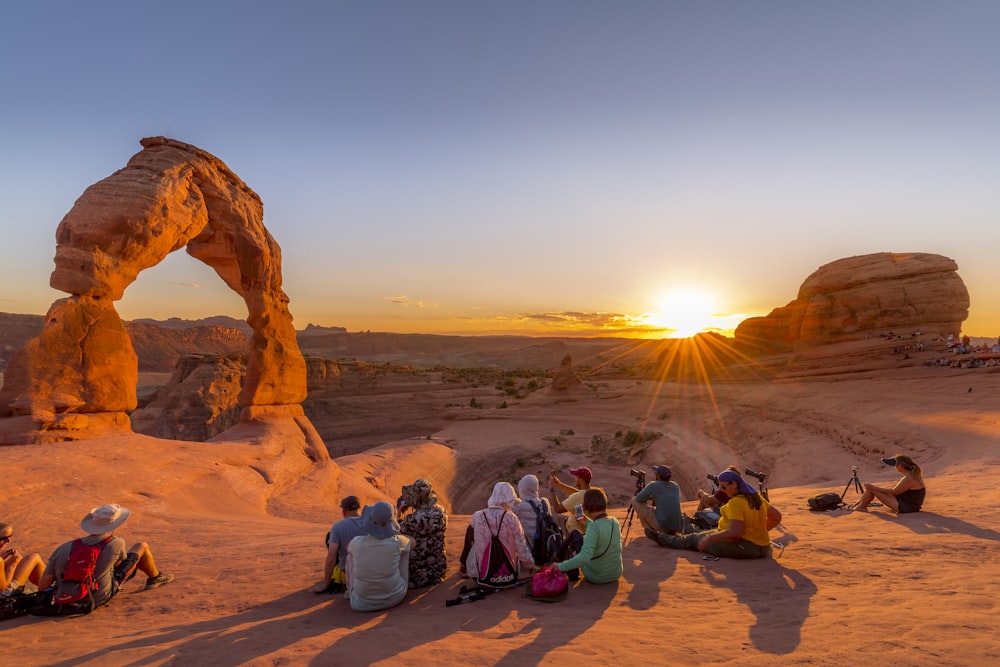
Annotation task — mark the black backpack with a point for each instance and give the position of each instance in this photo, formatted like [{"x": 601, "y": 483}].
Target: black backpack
[
  {"x": 547, "y": 540},
  {"x": 16, "y": 605},
  {"x": 703, "y": 520},
  {"x": 825, "y": 502},
  {"x": 496, "y": 569}
]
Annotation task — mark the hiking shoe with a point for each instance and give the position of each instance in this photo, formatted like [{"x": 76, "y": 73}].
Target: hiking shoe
[{"x": 159, "y": 580}]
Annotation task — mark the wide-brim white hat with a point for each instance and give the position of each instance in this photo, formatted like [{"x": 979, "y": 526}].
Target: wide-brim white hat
[{"x": 105, "y": 519}]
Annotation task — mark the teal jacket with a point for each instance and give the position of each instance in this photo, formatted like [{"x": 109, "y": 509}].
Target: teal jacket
[{"x": 600, "y": 557}]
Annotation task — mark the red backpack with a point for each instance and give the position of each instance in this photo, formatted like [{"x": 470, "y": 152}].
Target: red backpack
[{"x": 75, "y": 592}]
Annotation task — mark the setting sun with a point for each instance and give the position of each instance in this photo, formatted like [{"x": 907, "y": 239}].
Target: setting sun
[{"x": 686, "y": 312}]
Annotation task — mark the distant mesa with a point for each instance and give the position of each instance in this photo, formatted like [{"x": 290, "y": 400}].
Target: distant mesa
[
  {"x": 864, "y": 296},
  {"x": 316, "y": 330},
  {"x": 77, "y": 378},
  {"x": 216, "y": 321}
]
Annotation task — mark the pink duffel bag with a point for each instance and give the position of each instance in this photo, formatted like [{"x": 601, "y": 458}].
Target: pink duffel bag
[{"x": 549, "y": 582}]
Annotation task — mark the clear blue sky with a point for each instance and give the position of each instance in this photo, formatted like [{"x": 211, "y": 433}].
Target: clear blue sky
[{"x": 503, "y": 166}]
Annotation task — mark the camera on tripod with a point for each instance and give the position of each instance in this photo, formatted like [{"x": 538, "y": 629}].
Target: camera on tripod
[
  {"x": 759, "y": 475},
  {"x": 640, "y": 482},
  {"x": 714, "y": 478}
]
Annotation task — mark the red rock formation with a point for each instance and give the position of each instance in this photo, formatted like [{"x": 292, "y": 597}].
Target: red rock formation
[
  {"x": 198, "y": 403},
  {"x": 171, "y": 195},
  {"x": 322, "y": 373},
  {"x": 857, "y": 297},
  {"x": 565, "y": 378}
]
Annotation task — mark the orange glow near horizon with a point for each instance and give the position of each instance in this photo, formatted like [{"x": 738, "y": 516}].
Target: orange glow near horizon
[{"x": 684, "y": 312}]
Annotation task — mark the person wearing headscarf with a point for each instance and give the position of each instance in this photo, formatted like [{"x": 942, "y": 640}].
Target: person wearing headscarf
[
  {"x": 378, "y": 569},
  {"x": 530, "y": 507},
  {"x": 743, "y": 528},
  {"x": 906, "y": 496},
  {"x": 497, "y": 519},
  {"x": 426, "y": 524}
]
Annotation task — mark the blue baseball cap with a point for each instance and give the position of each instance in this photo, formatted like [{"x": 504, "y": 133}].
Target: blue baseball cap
[{"x": 662, "y": 471}]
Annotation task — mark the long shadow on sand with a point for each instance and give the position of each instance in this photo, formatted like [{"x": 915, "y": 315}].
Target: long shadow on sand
[
  {"x": 651, "y": 558},
  {"x": 230, "y": 640},
  {"x": 497, "y": 619},
  {"x": 777, "y": 596},
  {"x": 927, "y": 523}
]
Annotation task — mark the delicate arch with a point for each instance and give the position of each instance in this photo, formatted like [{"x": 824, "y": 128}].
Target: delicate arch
[{"x": 170, "y": 195}]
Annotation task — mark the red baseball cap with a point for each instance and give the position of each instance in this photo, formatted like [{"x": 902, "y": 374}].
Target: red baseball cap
[{"x": 582, "y": 473}]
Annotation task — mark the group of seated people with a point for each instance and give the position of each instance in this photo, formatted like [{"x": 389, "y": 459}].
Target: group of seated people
[
  {"x": 373, "y": 558},
  {"x": 385, "y": 558}
]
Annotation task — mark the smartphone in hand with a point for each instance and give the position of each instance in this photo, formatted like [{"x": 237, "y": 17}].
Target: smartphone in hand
[{"x": 578, "y": 509}]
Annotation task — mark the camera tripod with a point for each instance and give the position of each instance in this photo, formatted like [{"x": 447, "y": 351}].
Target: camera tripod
[
  {"x": 640, "y": 483},
  {"x": 762, "y": 479},
  {"x": 855, "y": 480}
]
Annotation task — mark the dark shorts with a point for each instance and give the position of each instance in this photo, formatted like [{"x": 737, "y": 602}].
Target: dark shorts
[
  {"x": 905, "y": 507},
  {"x": 126, "y": 569}
]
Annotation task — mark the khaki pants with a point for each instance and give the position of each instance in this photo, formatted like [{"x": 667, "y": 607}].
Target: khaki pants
[{"x": 647, "y": 517}]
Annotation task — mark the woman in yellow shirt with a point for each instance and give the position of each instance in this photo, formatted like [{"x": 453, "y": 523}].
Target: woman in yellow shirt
[{"x": 742, "y": 532}]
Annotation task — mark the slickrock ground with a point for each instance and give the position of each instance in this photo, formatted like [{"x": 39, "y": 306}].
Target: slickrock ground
[{"x": 849, "y": 588}]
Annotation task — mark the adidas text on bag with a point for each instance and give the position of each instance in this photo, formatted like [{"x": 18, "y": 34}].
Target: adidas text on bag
[{"x": 495, "y": 568}]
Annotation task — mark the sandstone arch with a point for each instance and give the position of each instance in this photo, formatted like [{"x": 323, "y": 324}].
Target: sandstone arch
[{"x": 77, "y": 378}]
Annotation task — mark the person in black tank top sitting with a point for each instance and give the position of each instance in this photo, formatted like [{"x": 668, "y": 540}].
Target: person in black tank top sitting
[{"x": 905, "y": 497}]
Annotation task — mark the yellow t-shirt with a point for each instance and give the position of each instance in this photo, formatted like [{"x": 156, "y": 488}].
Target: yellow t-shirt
[
  {"x": 754, "y": 521},
  {"x": 572, "y": 500}
]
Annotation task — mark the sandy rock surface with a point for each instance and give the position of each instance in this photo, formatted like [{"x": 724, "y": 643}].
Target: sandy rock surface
[{"x": 241, "y": 525}]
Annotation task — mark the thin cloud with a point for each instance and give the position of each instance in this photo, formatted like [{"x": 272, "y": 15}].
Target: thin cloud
[
  {"x": 403, "y": 300},
  {"x": 191, "y": 285},
  {"x": 577, "y": 319}
]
